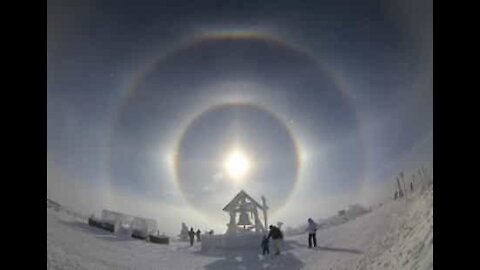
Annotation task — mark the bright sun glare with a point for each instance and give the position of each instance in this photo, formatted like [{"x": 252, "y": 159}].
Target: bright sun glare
[{"x": 237, "y": 165}]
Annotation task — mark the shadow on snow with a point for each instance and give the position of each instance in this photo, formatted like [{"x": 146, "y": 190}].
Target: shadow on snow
[{"x": 247, "y": 259}]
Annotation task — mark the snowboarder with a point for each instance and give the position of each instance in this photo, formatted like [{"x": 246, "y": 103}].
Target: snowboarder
[
  {"x": 264, "y": 245},
  {"x": 191, "y": 234},
  {"x": 198, "y": 235},
  {"x": 312, "y": 230},
  {"x": 276, "y": 236}
]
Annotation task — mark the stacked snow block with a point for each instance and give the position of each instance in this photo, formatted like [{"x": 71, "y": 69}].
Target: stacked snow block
[
  {"x": 102, "y": 225},
  {"x": 108, "y": 226},
  {"x": 139, "y": 235},
  {"x": 94, "y": 223},
  {"x": 159, "y": 239}
]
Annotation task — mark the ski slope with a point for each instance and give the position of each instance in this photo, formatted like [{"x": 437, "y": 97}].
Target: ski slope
[{"x": 397, "y": 235}]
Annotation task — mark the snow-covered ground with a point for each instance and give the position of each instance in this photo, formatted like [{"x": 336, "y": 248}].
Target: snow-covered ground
[{"x": 397, "y": 235}]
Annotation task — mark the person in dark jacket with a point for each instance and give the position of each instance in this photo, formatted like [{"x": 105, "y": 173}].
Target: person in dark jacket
[
  {"x": 312, "y": 230},
  {"x": 198, "y": 235},
  {"x": 277, "y": 237},
  {"x": 191, "y": 235},
  {"x": 265, "y": 248}
]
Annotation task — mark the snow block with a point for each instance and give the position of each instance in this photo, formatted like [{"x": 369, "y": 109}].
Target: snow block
[
  {"x": 108, "y": 227},
  {"x": 159, "y": 239},
  {"x": 139, "y": 235},
  {"x": 120, "y": 222},
  {"x": 101, "y": 225},
  {"x": 95, "y": 223}
]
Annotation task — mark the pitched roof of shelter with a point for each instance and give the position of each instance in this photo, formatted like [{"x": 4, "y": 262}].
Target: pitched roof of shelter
[{"x": 242, "y": 194}]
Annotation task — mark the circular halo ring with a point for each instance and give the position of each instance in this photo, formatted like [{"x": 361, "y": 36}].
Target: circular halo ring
[{"x": 131, "y": 85}]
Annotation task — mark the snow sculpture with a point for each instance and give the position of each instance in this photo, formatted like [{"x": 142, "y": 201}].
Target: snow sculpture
[
  {"x": 127, "y": 224},
  {"x": 183, "y": 232},
  {"x": 245, "y": 229},
  {"x": 246, "y": 207}
]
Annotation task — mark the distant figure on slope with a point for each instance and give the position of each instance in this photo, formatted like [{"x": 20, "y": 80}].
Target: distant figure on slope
[
  {"x": 264, "y": 245},
  {"x": 396, "y": 195},
  {"x": 312, "y": 233},
  {"x": 198, "y": 235},
  {"x": 191, "y": 234},
  {"x": 276, "y": 236},
  {"x": 411, "y": 186}
]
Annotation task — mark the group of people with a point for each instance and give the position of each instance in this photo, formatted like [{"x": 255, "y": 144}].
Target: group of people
[
  {"x": 277, "y": 236},
  {"x": 274, "y": 233},
  {"x": 192, "y": 234}
]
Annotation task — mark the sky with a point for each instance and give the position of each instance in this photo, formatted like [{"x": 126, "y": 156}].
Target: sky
[{"x": 146, "y": 100}]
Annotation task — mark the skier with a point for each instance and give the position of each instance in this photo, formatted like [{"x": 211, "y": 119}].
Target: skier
[
  {"x": 277, "y": 236},
  {"x": 411, "y": 186},
  {"x": 198, "y": 235},
  {"x": 191, "y": 234},
  {"x": 312, "y": 230},
  {"x": 264, "y": 245}
]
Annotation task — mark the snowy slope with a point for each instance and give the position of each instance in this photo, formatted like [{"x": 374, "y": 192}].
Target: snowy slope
[
  {"x": 398, "y": 235},
  {"x": 409, "y": 245}
]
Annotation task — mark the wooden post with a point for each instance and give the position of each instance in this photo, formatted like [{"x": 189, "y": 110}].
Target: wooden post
[
  {"x": 400, "y": 192},
  {"x": 265, "y": 208}
]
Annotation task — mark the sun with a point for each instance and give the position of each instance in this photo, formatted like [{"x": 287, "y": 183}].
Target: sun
[{"x": 237, "y": 165}]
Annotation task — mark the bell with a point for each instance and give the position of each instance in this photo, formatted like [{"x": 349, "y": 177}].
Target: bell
[{"x": 244, "y": 219}]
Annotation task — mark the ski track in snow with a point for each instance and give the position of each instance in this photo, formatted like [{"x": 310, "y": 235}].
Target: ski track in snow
[{"x": 397, "y": 235}]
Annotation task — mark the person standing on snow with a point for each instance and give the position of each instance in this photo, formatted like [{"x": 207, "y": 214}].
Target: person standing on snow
[
  {"x": 276, "y": 236},
  {"x": 312, "y": 230},
  {"x": 198, "y": 235},
  {"x": 191, "y": 235},
  {"x": 264, "y": 245}
]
